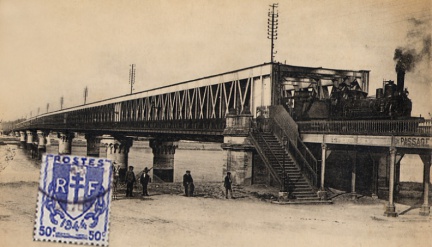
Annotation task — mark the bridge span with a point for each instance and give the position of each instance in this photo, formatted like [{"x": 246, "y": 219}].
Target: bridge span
[{"x": 246, "y": 111}]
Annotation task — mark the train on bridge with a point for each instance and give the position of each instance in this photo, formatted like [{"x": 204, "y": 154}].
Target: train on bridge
[{"x": 348, "y": 101}]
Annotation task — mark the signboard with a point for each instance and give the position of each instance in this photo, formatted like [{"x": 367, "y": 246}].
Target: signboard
[{"x": 413, "y": 142}]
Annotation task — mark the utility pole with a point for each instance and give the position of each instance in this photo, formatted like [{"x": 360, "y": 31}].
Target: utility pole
[
  {"x": 85, "y": 94},
  {"x": 47, "y": 107},
  {"x": 272, "y": 26},
  {"x": 132, "y": 76},
  {"x": 61, "y": 103}
]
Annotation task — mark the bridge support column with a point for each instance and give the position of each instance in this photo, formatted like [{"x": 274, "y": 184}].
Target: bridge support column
[
  {"x": 163, "y": 159},
  {"x": 93, "y": 145},
  {"x": 324, "y": 154},
  {"x": 23, "y": 139},
  {"x": 118, "y": 152},
  {"x": 30, "y": 139},
  {"x": 30, "y": 145},
  {"x": 425, "y": 208},
  {"x": 353, "y": 174},
  {"x": 65, "y": 142},
  {"x": 42, "y": 140},
  {"x": 390, "y": 208},
  {"x": 238, "y": 148}
]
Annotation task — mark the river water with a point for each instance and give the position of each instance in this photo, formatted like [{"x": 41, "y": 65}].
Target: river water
[{"x": 204, "y": 160}]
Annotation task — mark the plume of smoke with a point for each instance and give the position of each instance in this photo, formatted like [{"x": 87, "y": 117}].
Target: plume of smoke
[
  {"x": 417, "y": 50},
  {"x": 414, "y": 57}
]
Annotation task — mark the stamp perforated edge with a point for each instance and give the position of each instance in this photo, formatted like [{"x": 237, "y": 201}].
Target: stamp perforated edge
[{"x": 36, "y": 237}]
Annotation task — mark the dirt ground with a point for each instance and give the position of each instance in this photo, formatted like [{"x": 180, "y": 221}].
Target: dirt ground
[{"x": 167, "y": 218}]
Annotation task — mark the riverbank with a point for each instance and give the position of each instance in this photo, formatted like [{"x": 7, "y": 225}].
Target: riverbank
[{"x": 167, "y": 218}]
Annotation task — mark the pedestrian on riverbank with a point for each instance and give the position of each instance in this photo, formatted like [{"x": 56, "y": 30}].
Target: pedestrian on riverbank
[
  {"x": 188, "y": 184},
  {"x": 115, "y": 175},
  {"x": 130, "y": 180},
  {"x": 144, "y": 180},
  {"x": 228, "y": 185}
]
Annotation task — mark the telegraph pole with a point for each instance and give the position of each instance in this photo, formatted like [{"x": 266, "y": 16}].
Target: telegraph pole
[
  {"x": 85, "y": 94},
  {"x": 272, "y": 26},
  {"x": 132, "y": 76}
]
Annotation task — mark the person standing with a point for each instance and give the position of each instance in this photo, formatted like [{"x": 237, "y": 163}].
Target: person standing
[
  {"x": 228, "y": 185},
  {"x": 144, "y": 180},
  {"x": 188, "y": 183},
  {"x": 130, "y": 180}
]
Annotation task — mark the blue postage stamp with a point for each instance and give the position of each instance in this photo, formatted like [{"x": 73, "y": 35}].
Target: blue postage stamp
[{"x": 74, "y": 200}]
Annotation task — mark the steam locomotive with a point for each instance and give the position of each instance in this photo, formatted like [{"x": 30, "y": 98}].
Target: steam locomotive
[{"x": 349, "y": 102}]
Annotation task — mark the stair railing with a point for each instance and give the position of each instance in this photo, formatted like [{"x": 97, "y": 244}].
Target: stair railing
[{"x": 263, "y": 154}]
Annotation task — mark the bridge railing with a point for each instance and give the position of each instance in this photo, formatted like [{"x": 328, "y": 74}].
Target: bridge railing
[
  {"x": 418, "y": 126},
  {"x": 175, "y": 126}
]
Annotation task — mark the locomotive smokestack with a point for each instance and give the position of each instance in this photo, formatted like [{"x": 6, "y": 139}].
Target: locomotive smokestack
[
  {"x": 400, "y": 80},
  {"x": 404, "y": 63}
]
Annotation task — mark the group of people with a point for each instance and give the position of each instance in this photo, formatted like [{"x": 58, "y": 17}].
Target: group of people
[
  {"x": 190, "y": 187},
  {"x": 131, "y": 180},
  {"x": 188, "y": 183}
]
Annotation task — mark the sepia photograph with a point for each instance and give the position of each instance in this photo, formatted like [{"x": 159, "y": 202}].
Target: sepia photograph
[{"x": 215, "y": 123}]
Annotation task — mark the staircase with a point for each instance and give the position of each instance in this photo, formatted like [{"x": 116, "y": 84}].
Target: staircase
[
  {"x": 276, "y": 139},
  {"x": 294, "y": 182}
]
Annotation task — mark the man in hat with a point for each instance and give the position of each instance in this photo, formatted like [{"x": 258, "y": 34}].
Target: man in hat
[
  {"x": 144, "y": 180},
  {"x": 130, "y": 180},
  {"x": 188, "y": 183},
  {"x": 228, "y": 185}
]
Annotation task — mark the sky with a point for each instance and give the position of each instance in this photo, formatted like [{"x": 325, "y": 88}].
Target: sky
[{"x": 55, "y": 48}]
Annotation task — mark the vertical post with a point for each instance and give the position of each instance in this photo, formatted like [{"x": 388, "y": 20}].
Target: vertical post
[
  {"x": 353, "y": 176},
  {"x": 272, "y": 28},
  {"x": 322, "y": 193},
  {"x": 425, "y": 208},
  {"x": 374, "y": 177},
  {"x": 390, "y": 208}
]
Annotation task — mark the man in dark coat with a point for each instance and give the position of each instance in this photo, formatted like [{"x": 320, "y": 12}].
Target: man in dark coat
[
  {"x": 130, "y": 180},
  {"x": 145, "y": 179},
  {"x": 228, "y": 185},
  {"x": 188, "y": 183}
]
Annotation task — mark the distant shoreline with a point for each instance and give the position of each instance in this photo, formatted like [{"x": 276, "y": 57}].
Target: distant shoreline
[{"x": 207, "y": 146}]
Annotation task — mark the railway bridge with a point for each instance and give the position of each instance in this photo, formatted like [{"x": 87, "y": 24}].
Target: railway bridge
[{"x": 246, "y": 111}]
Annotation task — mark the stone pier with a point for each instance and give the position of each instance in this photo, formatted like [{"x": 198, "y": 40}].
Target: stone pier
[
  {"x": 117, "y": 150},
  {"x": 238, "y": 148},
  {"x": 93, "y": 144},
  {"x": 65, "y": 142},
  {"x": 42, "y": 141},
  {"x": 31, "y": 144},
  {"x": 23, "y": 139},
  {"x": 163, "y": 159}
]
